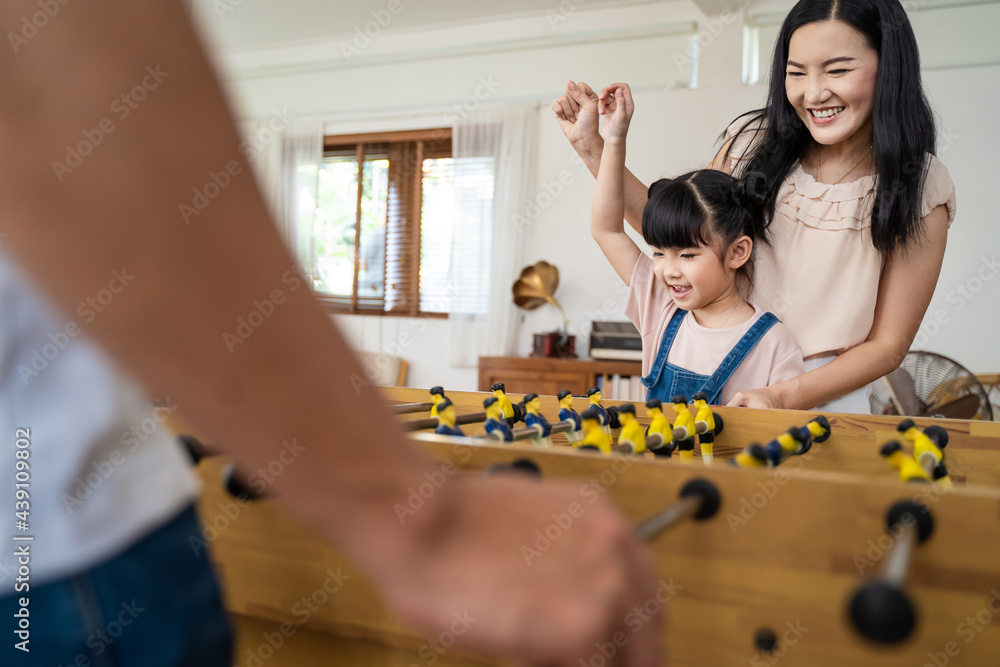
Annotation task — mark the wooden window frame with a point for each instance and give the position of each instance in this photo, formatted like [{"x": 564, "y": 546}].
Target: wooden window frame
[{"x": 416, "y": 144}]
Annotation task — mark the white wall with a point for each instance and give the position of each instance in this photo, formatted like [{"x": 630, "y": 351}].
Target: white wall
[{"x": 674, "y": 130}]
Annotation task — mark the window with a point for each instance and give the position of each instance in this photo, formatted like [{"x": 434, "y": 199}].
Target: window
[{"x": 385, "y": 214}]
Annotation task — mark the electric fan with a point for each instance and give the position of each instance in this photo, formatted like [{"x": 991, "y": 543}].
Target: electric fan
[{"x": 930, "y": 385}]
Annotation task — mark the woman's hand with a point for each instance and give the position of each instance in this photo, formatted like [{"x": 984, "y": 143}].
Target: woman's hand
[
  {"x": 615, "y": 104},
  {"x": 576, "y": 112},
  {"x": 763, "y": 399}
]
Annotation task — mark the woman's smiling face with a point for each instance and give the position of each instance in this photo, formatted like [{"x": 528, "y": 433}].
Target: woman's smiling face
[{"x": 830, "y": 80}]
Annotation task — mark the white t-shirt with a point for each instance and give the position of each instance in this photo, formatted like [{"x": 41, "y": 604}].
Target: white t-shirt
[{"x": 104, "y": 469}]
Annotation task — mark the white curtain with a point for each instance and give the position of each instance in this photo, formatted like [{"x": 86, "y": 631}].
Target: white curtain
[
  {"x": 286, "y": 158},
  {"x": 488, "y": 246}
]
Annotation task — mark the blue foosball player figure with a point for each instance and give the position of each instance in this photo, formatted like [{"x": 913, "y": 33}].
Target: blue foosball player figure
[
  {"x": 534, "y": 419},
  {"x": 495, "y": 425},
  {"x": 567, "y": 413},
  {"x": 594, "y": 394}
]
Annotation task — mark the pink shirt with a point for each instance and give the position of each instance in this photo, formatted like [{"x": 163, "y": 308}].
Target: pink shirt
[
  {"x": 820, "y": 275},
  {"x": 775, "y": 358}
]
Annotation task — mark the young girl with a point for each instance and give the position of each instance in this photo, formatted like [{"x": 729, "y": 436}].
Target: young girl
[{"x": 698, "y": 332}]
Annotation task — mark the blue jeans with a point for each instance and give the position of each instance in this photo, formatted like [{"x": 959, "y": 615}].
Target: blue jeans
[{"x": 155, "y": 605}]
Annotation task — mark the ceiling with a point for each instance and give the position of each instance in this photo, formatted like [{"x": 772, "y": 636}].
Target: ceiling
[{"x": 244, "y": 25}]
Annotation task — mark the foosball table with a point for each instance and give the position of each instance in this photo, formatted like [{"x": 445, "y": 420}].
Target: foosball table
[{"x": 788, "y": 537}]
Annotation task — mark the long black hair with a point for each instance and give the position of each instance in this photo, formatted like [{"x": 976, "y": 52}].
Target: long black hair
[
  {"x": 903, "y": 126},
  {"x": 706, "y": 207}
]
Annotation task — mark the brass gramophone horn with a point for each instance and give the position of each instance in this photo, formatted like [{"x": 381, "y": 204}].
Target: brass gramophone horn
[{"x": 536, "y": 286}]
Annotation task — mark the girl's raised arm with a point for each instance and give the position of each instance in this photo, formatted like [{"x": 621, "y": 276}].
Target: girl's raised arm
[
  {"x": 606, "y": 213},
  {"x": 577, "y": 113}
]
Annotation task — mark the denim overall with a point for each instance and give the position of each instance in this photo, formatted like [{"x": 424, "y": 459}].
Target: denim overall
[{"x": 666, "y": 380}]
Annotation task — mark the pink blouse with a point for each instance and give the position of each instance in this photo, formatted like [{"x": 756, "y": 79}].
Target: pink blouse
[{"x": 820, "y": 275}]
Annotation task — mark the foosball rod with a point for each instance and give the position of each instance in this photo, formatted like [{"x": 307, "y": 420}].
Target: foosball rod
[
  {"x": 233, "y": 479},
  {"x": 880, "y": 609},
  {"x": 432, "y": 422},
  {"x": 409, "y": 408},
  {"x": 699, "y": 500},
  {"x": 655, "y": 440},
  {"x": 530, "y": 432}
]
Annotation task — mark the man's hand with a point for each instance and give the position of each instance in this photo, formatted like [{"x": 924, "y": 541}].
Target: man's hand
[{"x": 533, "y": 599}]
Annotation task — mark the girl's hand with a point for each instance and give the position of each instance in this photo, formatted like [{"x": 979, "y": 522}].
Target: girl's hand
[
  {"x": 576, "y": 112},
  {"x": 755, "y": 398},
  {"x": 615, "y": 104}
]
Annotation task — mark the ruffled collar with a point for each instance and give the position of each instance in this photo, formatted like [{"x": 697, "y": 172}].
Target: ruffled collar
[
  {"x": 812, "y": 188},
  {"x": 827, "y": 206}
]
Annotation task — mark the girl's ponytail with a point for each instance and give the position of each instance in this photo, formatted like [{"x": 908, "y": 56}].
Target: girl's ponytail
[{"x": 750, "y": 197}]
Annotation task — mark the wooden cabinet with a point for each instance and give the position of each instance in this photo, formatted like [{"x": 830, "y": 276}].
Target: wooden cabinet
[{"x": 548, "y": 377}]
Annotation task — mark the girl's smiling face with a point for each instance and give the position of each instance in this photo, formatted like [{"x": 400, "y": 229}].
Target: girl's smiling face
[
  {"x": 830, "y": 80},
  {"x": 696, "y": 277}
]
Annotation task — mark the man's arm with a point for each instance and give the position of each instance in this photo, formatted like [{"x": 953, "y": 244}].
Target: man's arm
[
  {"x": 72, "y": 221},
  {"x": 113, "y": 201}
]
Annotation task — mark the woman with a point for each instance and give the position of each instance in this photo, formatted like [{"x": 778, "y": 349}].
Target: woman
[{"x": 859, "y": 206}]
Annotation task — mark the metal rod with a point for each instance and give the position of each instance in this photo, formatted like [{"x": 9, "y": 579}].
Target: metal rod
[
  {"x": 421, "y": 424},
  {"x": 897, "y": 562},
  {"x": 471, "y": 418},
  {"x": 686, "y": 507},
  {"x": 531, "y": 432},
  {"x": 407, "y": 408},
  {"x": 928, "y": 462},
  {"x": 432, "y": 422},
  {"x": 656, "y": 440}
]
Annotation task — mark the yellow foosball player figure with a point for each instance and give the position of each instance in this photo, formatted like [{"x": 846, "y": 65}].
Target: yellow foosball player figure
[
  {"x": 594, "y": 436},
  {"x": 926, "y": 451},
  {"x": 567, "y": 413},
  {"x": 534, "y": 419},
  {"x": 659, "y": 433},
  {"x": 495, "y": 425},
  {"x": 509, "y": 412},
  {"x": 437, "y": 395},
  {"x": 909, "y": 469},
  {"x": 752, "y": 456},
  {"x": 818, "y": 429},
  {"x": 594, "y": 394},
  {"x": 705, "y": 416},
  {"x": 684, "y": 442},
  {"x": 787, "y": 444},
  {"x": 632, "y": 433},
  {"x": 446, "y": 415},
  {"x": 940, "y": 475}
]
